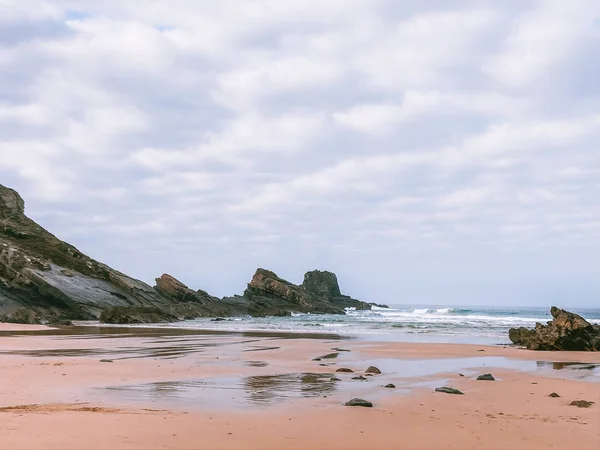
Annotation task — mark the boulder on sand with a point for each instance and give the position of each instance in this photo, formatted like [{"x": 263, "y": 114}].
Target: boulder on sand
[
  {"x": 486, "y": 377},
  {"x": 448, "y": 390},
  {"x": 359, "y": 402}
]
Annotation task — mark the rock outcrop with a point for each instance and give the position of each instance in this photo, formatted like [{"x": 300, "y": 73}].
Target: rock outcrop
[
  {"x": 124, "y": 315},
  {"x": 46, "y": 280},
  {"x": 566, "y": 331},
  {"x": 269, "y": 295},
  {"x": 324, "y": 284}
]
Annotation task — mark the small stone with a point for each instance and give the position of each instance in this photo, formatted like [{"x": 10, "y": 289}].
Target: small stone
[
  {"x": 359, "y": 402},
  {"x": 373, "y": 369},
  {"x": 316, "y": 359},
  {"x": 390, "y": 386},
  {"x": 106, "y": 360},
  {"x": 554, "y": 395},
  {"x": 486, "y": 377},
  {"x": 345, "y": 370},
  {"x": 581, "y": 403},
  {"x": 334, "y": 379},
  {"x": 460, "y": 375},
  {"x": 449, "y": 390},
  {"x": 323, "y": 365},
  {"x": 360, "y": 377},
  {"x": 337, "y": 349}
]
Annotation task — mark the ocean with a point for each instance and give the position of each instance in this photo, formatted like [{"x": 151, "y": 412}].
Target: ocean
[{"x": 476, "y": 325}]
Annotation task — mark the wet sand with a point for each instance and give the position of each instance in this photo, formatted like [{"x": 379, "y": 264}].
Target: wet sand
[{"x": 186, "y": 389}]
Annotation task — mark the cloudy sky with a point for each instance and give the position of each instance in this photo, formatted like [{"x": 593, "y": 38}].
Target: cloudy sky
[{"x": 428, "y": 152}]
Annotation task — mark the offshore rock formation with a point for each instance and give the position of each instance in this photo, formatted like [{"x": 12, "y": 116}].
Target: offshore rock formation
[
  {"x": 269, "y": 295},
  {"x": 46, "y": 280},
  {"x": 566, "y": 331}
]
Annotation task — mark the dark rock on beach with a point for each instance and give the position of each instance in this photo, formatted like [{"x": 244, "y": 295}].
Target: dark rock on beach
[
  {"x": 448, "y": 390},
  {"x": 359, "y": 402},
  {"x": 360, "y": 378},
  {"x": 554, "y": 395},
  {"x": 373, "y": 369},
  {"x": 345, "y": 370},
  {"x": 486, "y": 377},
  {"x": 390, "y": 386},
  {"x": 581, "y": 403},
  {"x": 566, "y": 331}
]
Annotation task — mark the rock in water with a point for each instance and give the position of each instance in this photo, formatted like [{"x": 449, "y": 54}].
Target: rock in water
[
  {"x": 554, "y": 395},
  {"x": 359, "y": 402},
  {"x": 581, "y": 403},
  {"x": 448, "y": 390},
  {"x": 390, "y": 386},
  {"x": 345, "y": 370},
  {"x": 486, "y": 377},
  {"x": 373, "y": 369},
  {"x": 334, "y": 379},
  {"x": 566, "y": 331},
  {"x": 360, "y": 377}
]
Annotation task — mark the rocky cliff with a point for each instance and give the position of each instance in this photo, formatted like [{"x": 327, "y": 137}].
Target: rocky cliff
[{"x": 43, "y": 279}]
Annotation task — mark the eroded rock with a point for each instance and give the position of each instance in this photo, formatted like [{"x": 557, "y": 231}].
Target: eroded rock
[{"x": 566, "y": 331}]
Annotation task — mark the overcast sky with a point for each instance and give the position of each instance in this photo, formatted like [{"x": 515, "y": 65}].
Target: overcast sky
[{"x": 428, "y": 152}]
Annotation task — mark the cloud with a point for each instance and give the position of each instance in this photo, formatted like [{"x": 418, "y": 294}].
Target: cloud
[{"x": 396, "y": 143}]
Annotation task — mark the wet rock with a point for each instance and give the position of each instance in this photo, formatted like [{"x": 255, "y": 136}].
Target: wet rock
[
  {"x": 448, "y": 390},
  {"x": 124, "y": 315},
  {"x": 334, "y": 379},
  {"x": 369, "y": 375},
  {"x": 373, "y": 369},
  {"x": 486, "y": 377},
  {"x": 218, "y": 319},
  {"x": 390, "y": 386},
  {"x": 566, "y": 331},
  {"x": 61, "y": 323},
  {"x": 360, "y": 377},
  {"x": 337, "y": 349},
  {"x": 554, "y": 395},
  {"x": 345, "y": 370},
  {"x": 359, "y": 402},
  {"x": 581, "y": 403},
  {"x": 106, "y": 360},
  {"x": 460, "y": 375},
  {"x": 316, "y": 359},
  {"x": 330, "y": 356}
]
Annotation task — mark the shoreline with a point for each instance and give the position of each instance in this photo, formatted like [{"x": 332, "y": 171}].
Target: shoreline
[{"x": 170, "y": 388}]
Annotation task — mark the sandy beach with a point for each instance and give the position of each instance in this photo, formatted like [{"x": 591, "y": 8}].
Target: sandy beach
[{"x": 180, "y": 389}]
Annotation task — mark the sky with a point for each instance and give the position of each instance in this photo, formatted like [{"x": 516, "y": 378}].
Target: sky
[{"x": 427, "y": 152}]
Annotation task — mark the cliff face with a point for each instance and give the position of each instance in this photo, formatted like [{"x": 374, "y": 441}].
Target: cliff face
[{"x": 43, "y": 279}]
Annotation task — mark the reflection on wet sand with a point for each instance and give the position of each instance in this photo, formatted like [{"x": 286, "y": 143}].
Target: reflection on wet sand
[{"x": 230, "y": 391}]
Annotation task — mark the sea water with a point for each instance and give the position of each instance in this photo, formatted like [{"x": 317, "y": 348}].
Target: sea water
[{"x": 478, "y": 325}]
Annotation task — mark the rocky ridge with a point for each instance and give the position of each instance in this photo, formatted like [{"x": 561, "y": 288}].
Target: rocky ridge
[{"x": 46, "y": 280}]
